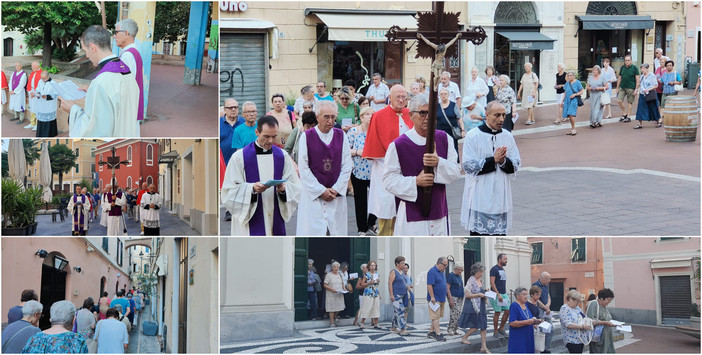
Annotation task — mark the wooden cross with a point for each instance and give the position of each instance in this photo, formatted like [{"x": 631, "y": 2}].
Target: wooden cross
[
  {"x": 113, "y": 163},
  {"x": 437, "y": 31}
]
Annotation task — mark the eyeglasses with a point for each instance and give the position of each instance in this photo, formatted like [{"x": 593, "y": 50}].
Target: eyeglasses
[
  {"x": 329, "y": 117},
  {"x": 422, "y": 114},
  {"x": 344, "y": 98},
  {"x": 231, "y": 108},
  {"x": 250, "y": 112},
  {"x": 118, "y": 31},
  {"x": 444, "y": 264}
]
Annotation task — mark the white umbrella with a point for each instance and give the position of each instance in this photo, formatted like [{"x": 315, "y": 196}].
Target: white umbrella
[
  {"x": 16, "y": 160},
  {"x": 45, "y": 173}
]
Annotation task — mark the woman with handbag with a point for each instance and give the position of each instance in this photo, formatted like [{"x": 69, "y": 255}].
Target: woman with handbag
[
  {"x": 505, "y": 95},
  {"x": 521, "y": 325},
  {"x": 574, "y": 326},
  {"x": 647, "y": 109},
  {"x": 597, "y": 310},
  {"x": 447, "y": 118},
  {"x": 597, "y": 87},
  {"x": 370, "y": 307},
  {"x": 572, "y": 100},
  {"x": 334, "y": 298},
  {"x": 671, "y": 81}
]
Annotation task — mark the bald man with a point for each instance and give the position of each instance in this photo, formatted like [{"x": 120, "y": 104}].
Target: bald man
[
  {"x": 32, "y": 85},
  {"x": 151, "y": 206},
  {"x": 18, "y": 81}
]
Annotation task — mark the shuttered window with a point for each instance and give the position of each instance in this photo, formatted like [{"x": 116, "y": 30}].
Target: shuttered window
[
  {"x": 243, "y": 67},
  {"x": 577, "y": 247},
  {"x": 675, "y": 299},
  {"x": 537, "y": 253}
]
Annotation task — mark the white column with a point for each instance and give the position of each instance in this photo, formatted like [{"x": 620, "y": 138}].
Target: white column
[{"x": 175, "y": 300}]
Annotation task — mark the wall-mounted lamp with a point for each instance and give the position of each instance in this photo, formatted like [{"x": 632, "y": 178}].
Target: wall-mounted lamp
[
  {"x": 60, "y": 263},
  {"x": 78, "y": 269},
  {"x": 42, "y": 253}
]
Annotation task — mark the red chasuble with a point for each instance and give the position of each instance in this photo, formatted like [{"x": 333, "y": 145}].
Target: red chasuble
[
  {"x": 4, "y": 81},
  {"x": 384, "y": 128},
  {"x": 33, "y": 80}
]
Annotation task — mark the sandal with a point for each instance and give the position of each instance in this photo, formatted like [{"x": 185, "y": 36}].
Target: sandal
[
  {"x": 638, "y": 127},
  {"x": 571, "y": 133},
  {"x": 466, "y": 342},
  {"x": 556, "y": 122},
  {"x": 608, "y": 116},
  {"x": 360, "y": 325},
  {"x": 659, "y": 125},
  {"x": 627, "y": 120},
  {"x": 623, "y": 118},
  {"x": 598, "y": 124},
  {"x": 592, "y": 125}
]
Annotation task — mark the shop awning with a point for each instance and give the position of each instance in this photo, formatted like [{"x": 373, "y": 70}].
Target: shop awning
[
  {"x": 527, "y": 40},
  {"x": 364, "y": 27},
  {"x": 615, "y": 22},
  {"x": 245, "y": 24}
]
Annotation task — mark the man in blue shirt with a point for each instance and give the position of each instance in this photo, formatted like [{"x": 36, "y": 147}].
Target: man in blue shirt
[
  {"x": 227, "y": 124},
  {"x": 120, "y": 300},
  {"x": 545, "y": 304},
  {"x": 244, "y": 134},
  {"x": 322, "y": 93},
  {"x": 455, "y": 295},
  {"x": 436, "y": 296}
]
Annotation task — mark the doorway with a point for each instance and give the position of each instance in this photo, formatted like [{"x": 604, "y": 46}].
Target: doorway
[
  {"x": 355, "y": 251},
  {"x": 557, "y": 293},
  {"x": 188, "y": 190},
  {"x": 471, "y": 255},
  {"x": 53, "y": 289},
  {"x": 103, "y": 282},
  {"x": 675, "y": 300},
  {"x": 183, "y": 296},
  {"x": 9, "y": 46},
  {"x": 511, "y": 62}
]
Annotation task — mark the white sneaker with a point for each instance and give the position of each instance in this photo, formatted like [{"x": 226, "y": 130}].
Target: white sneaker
[
  {"x": 28, "y": 126},
  {"x": 34, "y": 128}
]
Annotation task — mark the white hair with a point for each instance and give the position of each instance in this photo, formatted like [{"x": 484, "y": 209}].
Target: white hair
[
  {"x": 446, "y": 73},
  {"x": 458, "y": 266},
  {"x": 419, "y": 100},
  {"x": 326, "y": 103},
  {"x": 62, "y": 312},
  {"x": 31, "y": 308},
  {"x": 128, "y": 25},
  {"x": 528, "y": 64},
  {"x": 336, "y": 263},
  {"x": 364, "y": 266},
  {"x": 249, "y": 103},
  {"x": 506, "y": 78}
]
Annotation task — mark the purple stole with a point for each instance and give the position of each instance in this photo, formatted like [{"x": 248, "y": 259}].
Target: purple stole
[
  {"x": 78, "y": 218},
  {"x": 257, "y": 225},
  {"x": 326, "y": 164},
  {"x": 114, "y": 66},
  {"x": 115, "y": 210},
  {"x": 140, "y": 81},
  {"x": 410, "y": 157},
  {"x": 16, "y": 78}
]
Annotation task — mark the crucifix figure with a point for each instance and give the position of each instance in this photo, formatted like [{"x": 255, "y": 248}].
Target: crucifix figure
[
  {"x": 436, "y": 35},
  {"x": 113, "y": 163},
  {"x": 115, "y": 215}
]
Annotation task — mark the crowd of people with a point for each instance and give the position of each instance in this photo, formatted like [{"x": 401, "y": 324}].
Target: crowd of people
[
  {"x": 139, "y": 205},
  {"x": 101, "y": 328}
]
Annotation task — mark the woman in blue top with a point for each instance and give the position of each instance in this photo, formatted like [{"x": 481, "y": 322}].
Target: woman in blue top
[
  {"x": 647, "y": 110},
  {"x": 370, "y": 307},
  {"x": 455, "y": 297},
  {"x": 58, "y": 339},
  {"x": 447, "y": 115},
  {"x": 360, "y": 177},
  {"x": 573, "y": 89},
  {"x": 669, "y": 79},
  {"x": 521, "y": 325}
]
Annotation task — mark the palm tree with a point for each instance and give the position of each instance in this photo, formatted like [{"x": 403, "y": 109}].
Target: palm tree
[
  {"x": 63, "y": 159},
  {"x": 31, "y": 153}
]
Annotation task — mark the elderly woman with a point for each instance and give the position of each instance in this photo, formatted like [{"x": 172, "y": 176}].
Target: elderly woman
[
  {"x": 597, "y": 86},
  {"x": 85, "y": 319},
  {"x": 648, "y": 108},
  {"x": 111, "y": 334},
  {"x": 560, "y": 91},
  {"x": 598, "y": 312},
  {"x": 492, "y": 81},
  {"x": 478, "y": 87},
  {"x": 572, "y": 326},
  {"x": 521, "y": 324},
  {"x": 349, "y": 111},
  {"x": 505, "y": 95},
  {"x": 16, "y": 334},
  {"x": 363, "y": 102},
  {"x": 527, "y": 92},
  {"x": 286, "y": 119},
  {"x": 370, "y": 307},
  {"x": 122, "y": 318},
  {"x": 359, "y": 286},
  {"x": 610, "y": 77},
  {"x": 447, "y": 116},
  {"x": 422, "y": 83},
  {"x": 474, "y": 315},
  {"x": 360, "y": 176},
  {"x": 307, "y": 93},
  {"x": 573, "y": 88},
  {"x": 669, "y": 79},
  {"x": 455, "y": 297},
  {"x": 334, "y": 297},
  {"x": 58, "y": 339}
]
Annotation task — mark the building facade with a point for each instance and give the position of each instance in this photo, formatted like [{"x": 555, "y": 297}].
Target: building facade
[
  {"x": 189, "y": 180},
  {"x": 142, "y": 155},
  {"x": 279, "y": 286},
  {"x": 85, "y": 163},
  {"x": 58, "y": 269}
]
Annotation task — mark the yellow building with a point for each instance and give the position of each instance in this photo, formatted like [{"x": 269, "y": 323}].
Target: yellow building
[
  {"x": 85, "y": 164},
  {"x": 189, "y": 181}
]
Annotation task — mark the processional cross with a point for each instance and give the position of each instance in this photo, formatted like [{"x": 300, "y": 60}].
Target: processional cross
[
  {"x": 437, "y": 32},
  {"x": 113, "y": 163}
]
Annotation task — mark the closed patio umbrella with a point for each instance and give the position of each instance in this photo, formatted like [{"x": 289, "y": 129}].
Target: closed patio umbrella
[
  {"x": 45, "y": 173},
  {"x": 16, "y": 160}
]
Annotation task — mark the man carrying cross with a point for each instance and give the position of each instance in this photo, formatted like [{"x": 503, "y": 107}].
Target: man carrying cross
[
  {"x": 115, "y": 202},
  {"x": 79, "y": 206}
]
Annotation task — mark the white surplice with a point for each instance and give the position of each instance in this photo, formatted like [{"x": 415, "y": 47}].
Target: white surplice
[
  {"x": 115, "y": 224},
  {"x": 43, "y": 107},
  {"x": 82, "y": 206},
  {"x": 104, "y": 214},
  {"x": 150, "y": 217},
  {"x": 316, "y": 216},
  {"x": 487, "y": 198},
  {"x": 111, "y": 108},
  {"x": 236, "y": 192},
  {"x": 128, "y": 59},
  {"x": 17, "y": 102},
  {"x": 405, "y": 187}
]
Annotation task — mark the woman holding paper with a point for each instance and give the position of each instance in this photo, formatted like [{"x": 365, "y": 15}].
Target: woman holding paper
[
  {"x": 370, "y": 307},
  {"x": 597, "y": 310},
  {"x": 474, "y": 314},
  {"x": 334, "y": 297},
  {"x": 521, "y": 324},
  {"x": 572, "y": 325}
]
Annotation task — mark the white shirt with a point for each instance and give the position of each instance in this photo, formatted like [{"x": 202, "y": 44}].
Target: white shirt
[
  {"x": 454, "y": 91},
  {"x": 378, "y": 92},
  {"x": 478, "y": 86},
  {"x": 128, "y": 58}
]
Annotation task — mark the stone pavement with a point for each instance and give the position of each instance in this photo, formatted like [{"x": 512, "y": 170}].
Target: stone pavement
[
  {"x": 140, "y": 343},
  {"x": 170, "y": 225}
]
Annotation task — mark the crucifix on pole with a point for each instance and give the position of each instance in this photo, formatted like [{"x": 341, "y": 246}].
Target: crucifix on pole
[
  {"x": 113, "y": 163},
  {"x": 437, "y": 32}
]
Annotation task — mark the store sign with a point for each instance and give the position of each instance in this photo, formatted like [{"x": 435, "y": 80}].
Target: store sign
[
  {"x": 522, "y": 45},
  {"x": 618, "y": 25},
  {"x": 376, "y": 34},
  {"x": 233, "y": 6}
]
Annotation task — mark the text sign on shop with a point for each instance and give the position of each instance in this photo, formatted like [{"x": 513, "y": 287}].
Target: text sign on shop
[
  {"x": 522, "y": 45},
  {"x": 376, "y": 34},
  {"x": 233, "y": 6}
]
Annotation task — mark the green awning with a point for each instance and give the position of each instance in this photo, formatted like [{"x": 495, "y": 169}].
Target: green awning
[
  {"x": 527, "y": 40},
  {"x": 615, "y": 22}
]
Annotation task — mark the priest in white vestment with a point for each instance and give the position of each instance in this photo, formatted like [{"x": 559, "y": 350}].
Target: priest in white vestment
[
  {"x": 325, "y": 169},
  {"x": 112, "y": 101},
  {"x": 115, "y": 219},
  {"x": 258, "y": 209},
  {"x": 490, "y": 159},
  {"x": 125, "y": 34},
  {"x": 79, "y": 206},
  {"x": 404, "y": 175},
  {"x": 103, "y": 206},
  {"x": 18, "y": 82},
  {"x": 151, "y": 206}
]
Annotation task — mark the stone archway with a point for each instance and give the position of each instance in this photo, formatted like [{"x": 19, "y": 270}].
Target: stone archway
[
  {"x": 611, "y": 8},
  {"x": 517, "y": 12}
]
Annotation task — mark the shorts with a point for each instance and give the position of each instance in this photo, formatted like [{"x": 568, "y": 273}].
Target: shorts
[
  {"x": 498, "y": 308},
  {"x": 629, "y": 94},
  {"x": 560, "y": 97},
  {"x": 438, "y": 313}
]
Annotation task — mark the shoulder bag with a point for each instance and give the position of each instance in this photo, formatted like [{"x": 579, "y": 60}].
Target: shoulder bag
[
  {"x": 9, "y": 341},
  {"x": 539, "y": 87},
  {"x": 578, "y": 98},
  {"x": 605, "y": 98},
  {"x": 455, "y": 131},
  {"x": 598, "y": 329},
  {"x": 651, "y": 95},
  {"x": 677, "y": 87}
]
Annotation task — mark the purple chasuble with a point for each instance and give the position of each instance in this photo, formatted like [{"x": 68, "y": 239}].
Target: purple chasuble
[
  {"x": 140, "y": 81},
  {"x": 410, "y": 156},
  {"x": 257, "y": 225},
  {"x": 114, "y": 210},
  {"x": 78, "y": 218},
  {"x": 325, "y": 160},
  {"x": 16, "y": 78}
]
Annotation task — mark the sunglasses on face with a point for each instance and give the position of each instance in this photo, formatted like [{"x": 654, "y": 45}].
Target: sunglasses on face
[{"x": 422, "y": 114}]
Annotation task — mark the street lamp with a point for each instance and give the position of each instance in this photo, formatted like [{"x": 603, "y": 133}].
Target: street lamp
[{"x": 60, "y": 263}]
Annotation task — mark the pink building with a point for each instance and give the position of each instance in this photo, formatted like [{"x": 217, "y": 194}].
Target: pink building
[
  {"x": 57, "y": 269},
  {"x": 652, "y": 278},
  {"x": 692, "y": 30}
]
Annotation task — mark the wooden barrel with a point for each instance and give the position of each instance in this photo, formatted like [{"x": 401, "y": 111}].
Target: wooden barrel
[{"x": 681, "y": 118}]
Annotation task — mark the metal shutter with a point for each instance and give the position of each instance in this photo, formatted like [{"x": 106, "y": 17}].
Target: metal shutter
[
  {"x": 242, "y": 72},
  {"x": 675, "y": 299}
]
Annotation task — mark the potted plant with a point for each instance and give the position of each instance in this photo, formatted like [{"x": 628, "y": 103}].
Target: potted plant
[
  {"x": 28, "y": 203},
  {"x": 11, "y": 224}
]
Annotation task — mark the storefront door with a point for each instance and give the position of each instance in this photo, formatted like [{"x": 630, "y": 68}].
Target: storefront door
[{"x": 53, "y": 289}]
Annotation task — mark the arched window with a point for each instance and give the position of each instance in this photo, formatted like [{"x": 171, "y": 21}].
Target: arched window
[
  {"x": 101, "y": 160},
  {"x": 149, "y": 155},
  {"x": 129, "y": 155},
  {"x": 611, "y": 8},
  {"x": 149, "y": 180},
  {"x": 516, "y": 12},
  {"x": 129, "y": 182}
]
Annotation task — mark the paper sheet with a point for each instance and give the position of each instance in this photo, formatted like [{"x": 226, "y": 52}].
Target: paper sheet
[
  {"x": 616, "y": 322},
  {"x": 504, "y": 303},
  {"x": 68, "y": 90},
  {"x": 396, "y": 304},
  {"x": 270, "y": 183},
  {"x": 346, "y": 122},
  {"x": 624, "y": 328},
  {"x": 434, "y": 306},
  {"x": 491, "y": 294},
  {"x": 353, "y": 276},
  {"x": 342, "y": 291}
]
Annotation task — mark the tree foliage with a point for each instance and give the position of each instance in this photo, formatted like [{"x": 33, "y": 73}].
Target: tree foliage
[
  {"x": 66, "y": 21},
  {"x": 171, "y": 21},
  {"x": 63, "y": 159}
]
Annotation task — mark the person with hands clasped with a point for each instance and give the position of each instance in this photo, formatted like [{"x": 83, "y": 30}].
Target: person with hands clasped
[{"x": 521, "y": 324}]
